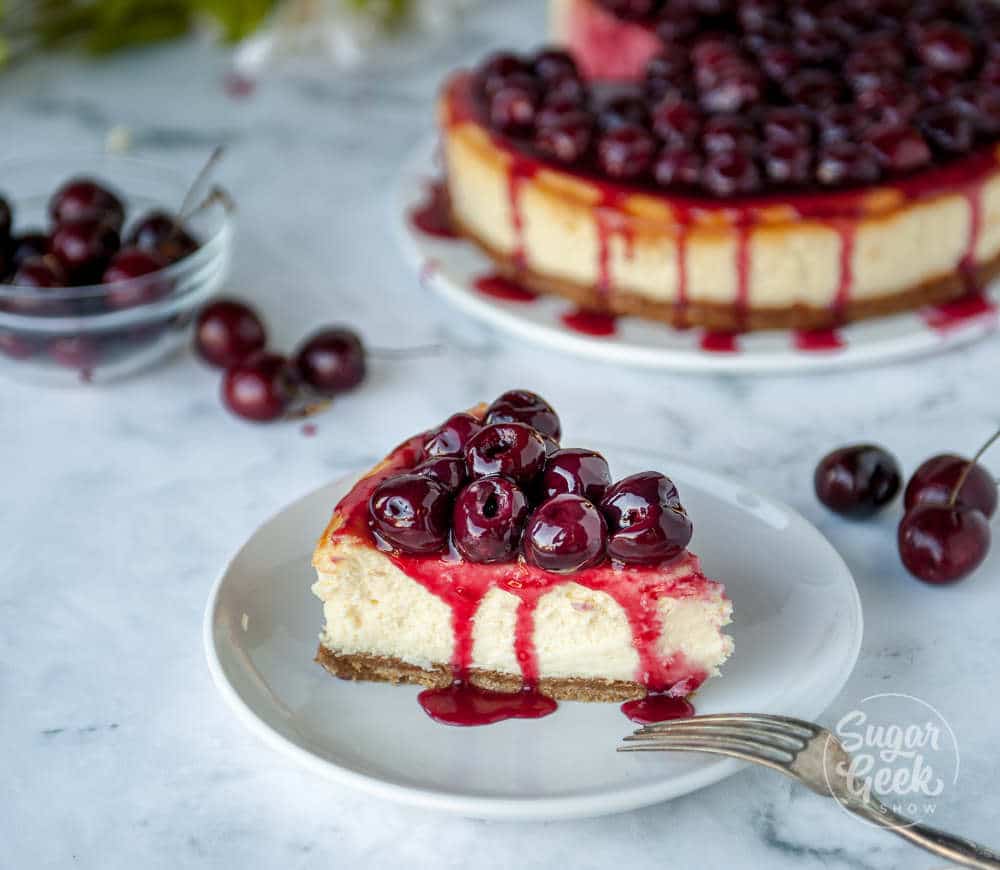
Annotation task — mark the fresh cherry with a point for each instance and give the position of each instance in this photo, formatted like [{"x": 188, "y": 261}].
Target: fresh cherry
[
  {"x": 125, "y": 274},
  {"x": 40, "y": 273},
  {"x": 936, "y": 478},
  {"x": 450, "y": 438},
  {"x": 163, "y": 234},
  {"x": 523, "y": 406},
  {"x": 449, "y": 471},
  {"x": 226, "y": 331},
  {"x": 646, "y": 523},
  {"x": 83, "y": 199},
  {"x": 565, "y": 533},
  {"x": 626, "y": 152},
  {"x": 17, "y": 345},
  {"x": 260, "y": 387},
  {"x": 577, "y": 471},
  {"x": 410, "y": 512},
  {"x": 857, "y": 481},
  {"x": 332, "y": 361},
  {"x": 84, "y": 247},
  {"x": 941, "y": 544},
  {"x": 488, "y": 519},
  {"x": 27, "y": 246},
  {"x": 513, "y": 450}
]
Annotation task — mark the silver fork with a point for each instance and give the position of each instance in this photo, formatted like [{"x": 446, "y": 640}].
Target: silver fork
[{"x": 810, "y": 754}]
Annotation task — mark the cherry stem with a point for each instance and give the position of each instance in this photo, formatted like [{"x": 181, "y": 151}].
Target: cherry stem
[
  {"x": 968, "y": 468},
  {"x": 188, "y": 207},
  {"x": 405, "y": 352}
]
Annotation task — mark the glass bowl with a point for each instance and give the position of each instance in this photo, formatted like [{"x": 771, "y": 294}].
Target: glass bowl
[{"x": 105, "y": 331}]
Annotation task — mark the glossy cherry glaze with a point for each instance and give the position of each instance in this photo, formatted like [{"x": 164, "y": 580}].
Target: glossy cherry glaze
[
  {"x": 513, "y": 450},
  {"x": 332, "y": 361},
  {"x": 450, "y": 438},
  {"x": 935, "y": 480},
  {"x": 524, "y": 406},
  {"x": 410, "y": 513},
  {"x": 657, "y": 708},
  {"x": 565, "y": 533},
  {"x": 449, "y": 471},
  {"x": 488, "y": 519},
  {"x": 433, "y": 216},
  {"x": 647, "y": 524},
  {"x": 500, "y": 287},
  {"x": 857, "y": 481},
  {"x": 226, "y": 331},
  {"x": 463, "y": 585},
  {"x": 577, "y": 471},
  {"x": 586, "y": 322}
]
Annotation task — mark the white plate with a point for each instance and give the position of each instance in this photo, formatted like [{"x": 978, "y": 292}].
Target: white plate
[
  {"x": 797, "y": 630},
  {"x": 451, "y": 268}
]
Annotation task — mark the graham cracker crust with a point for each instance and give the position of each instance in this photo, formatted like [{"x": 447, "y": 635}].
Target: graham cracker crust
[
  {"x": 728, "y": 318},
  {"x": 387, "y": 669}
]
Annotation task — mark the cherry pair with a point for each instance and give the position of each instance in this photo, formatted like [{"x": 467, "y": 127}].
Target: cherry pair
[{"x": 261, "y": 385}]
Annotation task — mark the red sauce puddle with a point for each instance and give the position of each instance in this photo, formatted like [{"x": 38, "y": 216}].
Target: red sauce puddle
[
  {"x": 499, "y": 287},
  {"x": 720, "y": 342},
  {"x": 812, "y": 340},
  {"x": 657, "y": 708},
  {"x": 588, "y": 322},
  {"x": 433, "y": 216},
  {"x": 463, "y": 586},
  {"x": 952, "y": 315}
]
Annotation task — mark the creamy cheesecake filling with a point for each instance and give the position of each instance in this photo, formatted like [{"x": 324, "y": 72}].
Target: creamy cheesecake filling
[{"x": 824, "y": 252}]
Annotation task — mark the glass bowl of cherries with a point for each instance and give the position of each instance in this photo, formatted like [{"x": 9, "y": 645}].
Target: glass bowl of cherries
[{"x": 102, "y": 273}]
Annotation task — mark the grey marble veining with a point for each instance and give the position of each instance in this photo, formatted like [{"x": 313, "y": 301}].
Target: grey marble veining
[{"x": 119, "y": 505}]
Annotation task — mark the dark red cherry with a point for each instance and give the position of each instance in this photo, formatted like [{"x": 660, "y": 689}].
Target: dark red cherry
[
  {"x": 677, "y": 166},
  {"x": 732, "y": 89},
  {"x": 947, "y": 129},
  {"x": 565, "y": 533},
  {"x": 845, "y": 163},
  {"x": 787, "y": 162},
  {"x": 565, "y": 139},
  {"x": 757, "y": 15},
  {"x": 836, "y": 123},
  {"x": 935, "y": 480},
  {"x": 553, "y": 65},
  {"x": 779, "y": 61},
  {"x": 83, "y": 199},
  {"x": 410, "y": 512},
  {"x": 161, "y": 233},
  {"x": 449, "y": 471},
  {"x": 524, "y": 406},
  {"x": 84, "y": 247},
  {"x": 942, "y": 46},
  {"x": 730, "y": 173},
  {"x": 667, "y": 72},
  {"x": 497, "y": 68},
  {"x": 260, "y": 387},
  {"x": 646, "y": 522},
  {"x": 513, "y": 105},
  {"x": 814, "y": 88},
  {"x": 41, "y": 273},
  {"x": 332, "y": 361},
  {"x": 488, "y": 519},
  {"x": 75, "y": 352},
  {"x": 857, "y": 481},
  {"x": 125, "y": 275},
  {"x": 676, "y": 121},
  {"x": 727, "y": 133},
  {"x": 513, "y": 450},
  {"x": 623, "y": 110},
  {"x": 626, "y": 152},
  {"x": 450, "y": 438},
  {"x": 632, "y": 10},
  {"x": 899, "y": 148},
  {"x": 678, "y": 21},
  {"x": 228, "y": 330},
  {"x": 786, "y": 125},
  {"x": 940, "y": 544},
  {"x": 577, "y": 471},
  {"x": 17, "y": 345},
  {"x": 27, "y": 246}
]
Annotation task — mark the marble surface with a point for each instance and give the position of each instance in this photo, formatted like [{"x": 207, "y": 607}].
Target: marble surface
[{"x": 119, "y": 505}]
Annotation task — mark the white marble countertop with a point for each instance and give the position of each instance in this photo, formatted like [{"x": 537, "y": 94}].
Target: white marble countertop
[{"x": 119, "y": 505}]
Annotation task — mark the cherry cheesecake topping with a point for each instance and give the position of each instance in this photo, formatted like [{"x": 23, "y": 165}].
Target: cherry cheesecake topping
[
  {"x": 766, "y": 94},
  {"x": 497, "y": 489}
]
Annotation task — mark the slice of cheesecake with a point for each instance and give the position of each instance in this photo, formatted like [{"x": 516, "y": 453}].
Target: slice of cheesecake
[{"x": 480, "y": 553}]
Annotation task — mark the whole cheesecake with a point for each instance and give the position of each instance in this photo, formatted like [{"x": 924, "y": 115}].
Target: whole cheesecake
[
  {"x": 770, "y": 164},
  {"x": 481, "y": 557}
]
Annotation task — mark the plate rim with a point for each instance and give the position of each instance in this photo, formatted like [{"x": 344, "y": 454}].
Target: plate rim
[
  {"x": 418, "y": 165},
  {"x": 587, "y": 805}
]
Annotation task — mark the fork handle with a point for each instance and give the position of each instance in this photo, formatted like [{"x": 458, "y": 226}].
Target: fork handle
[{"x": 958, "y": 850}]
